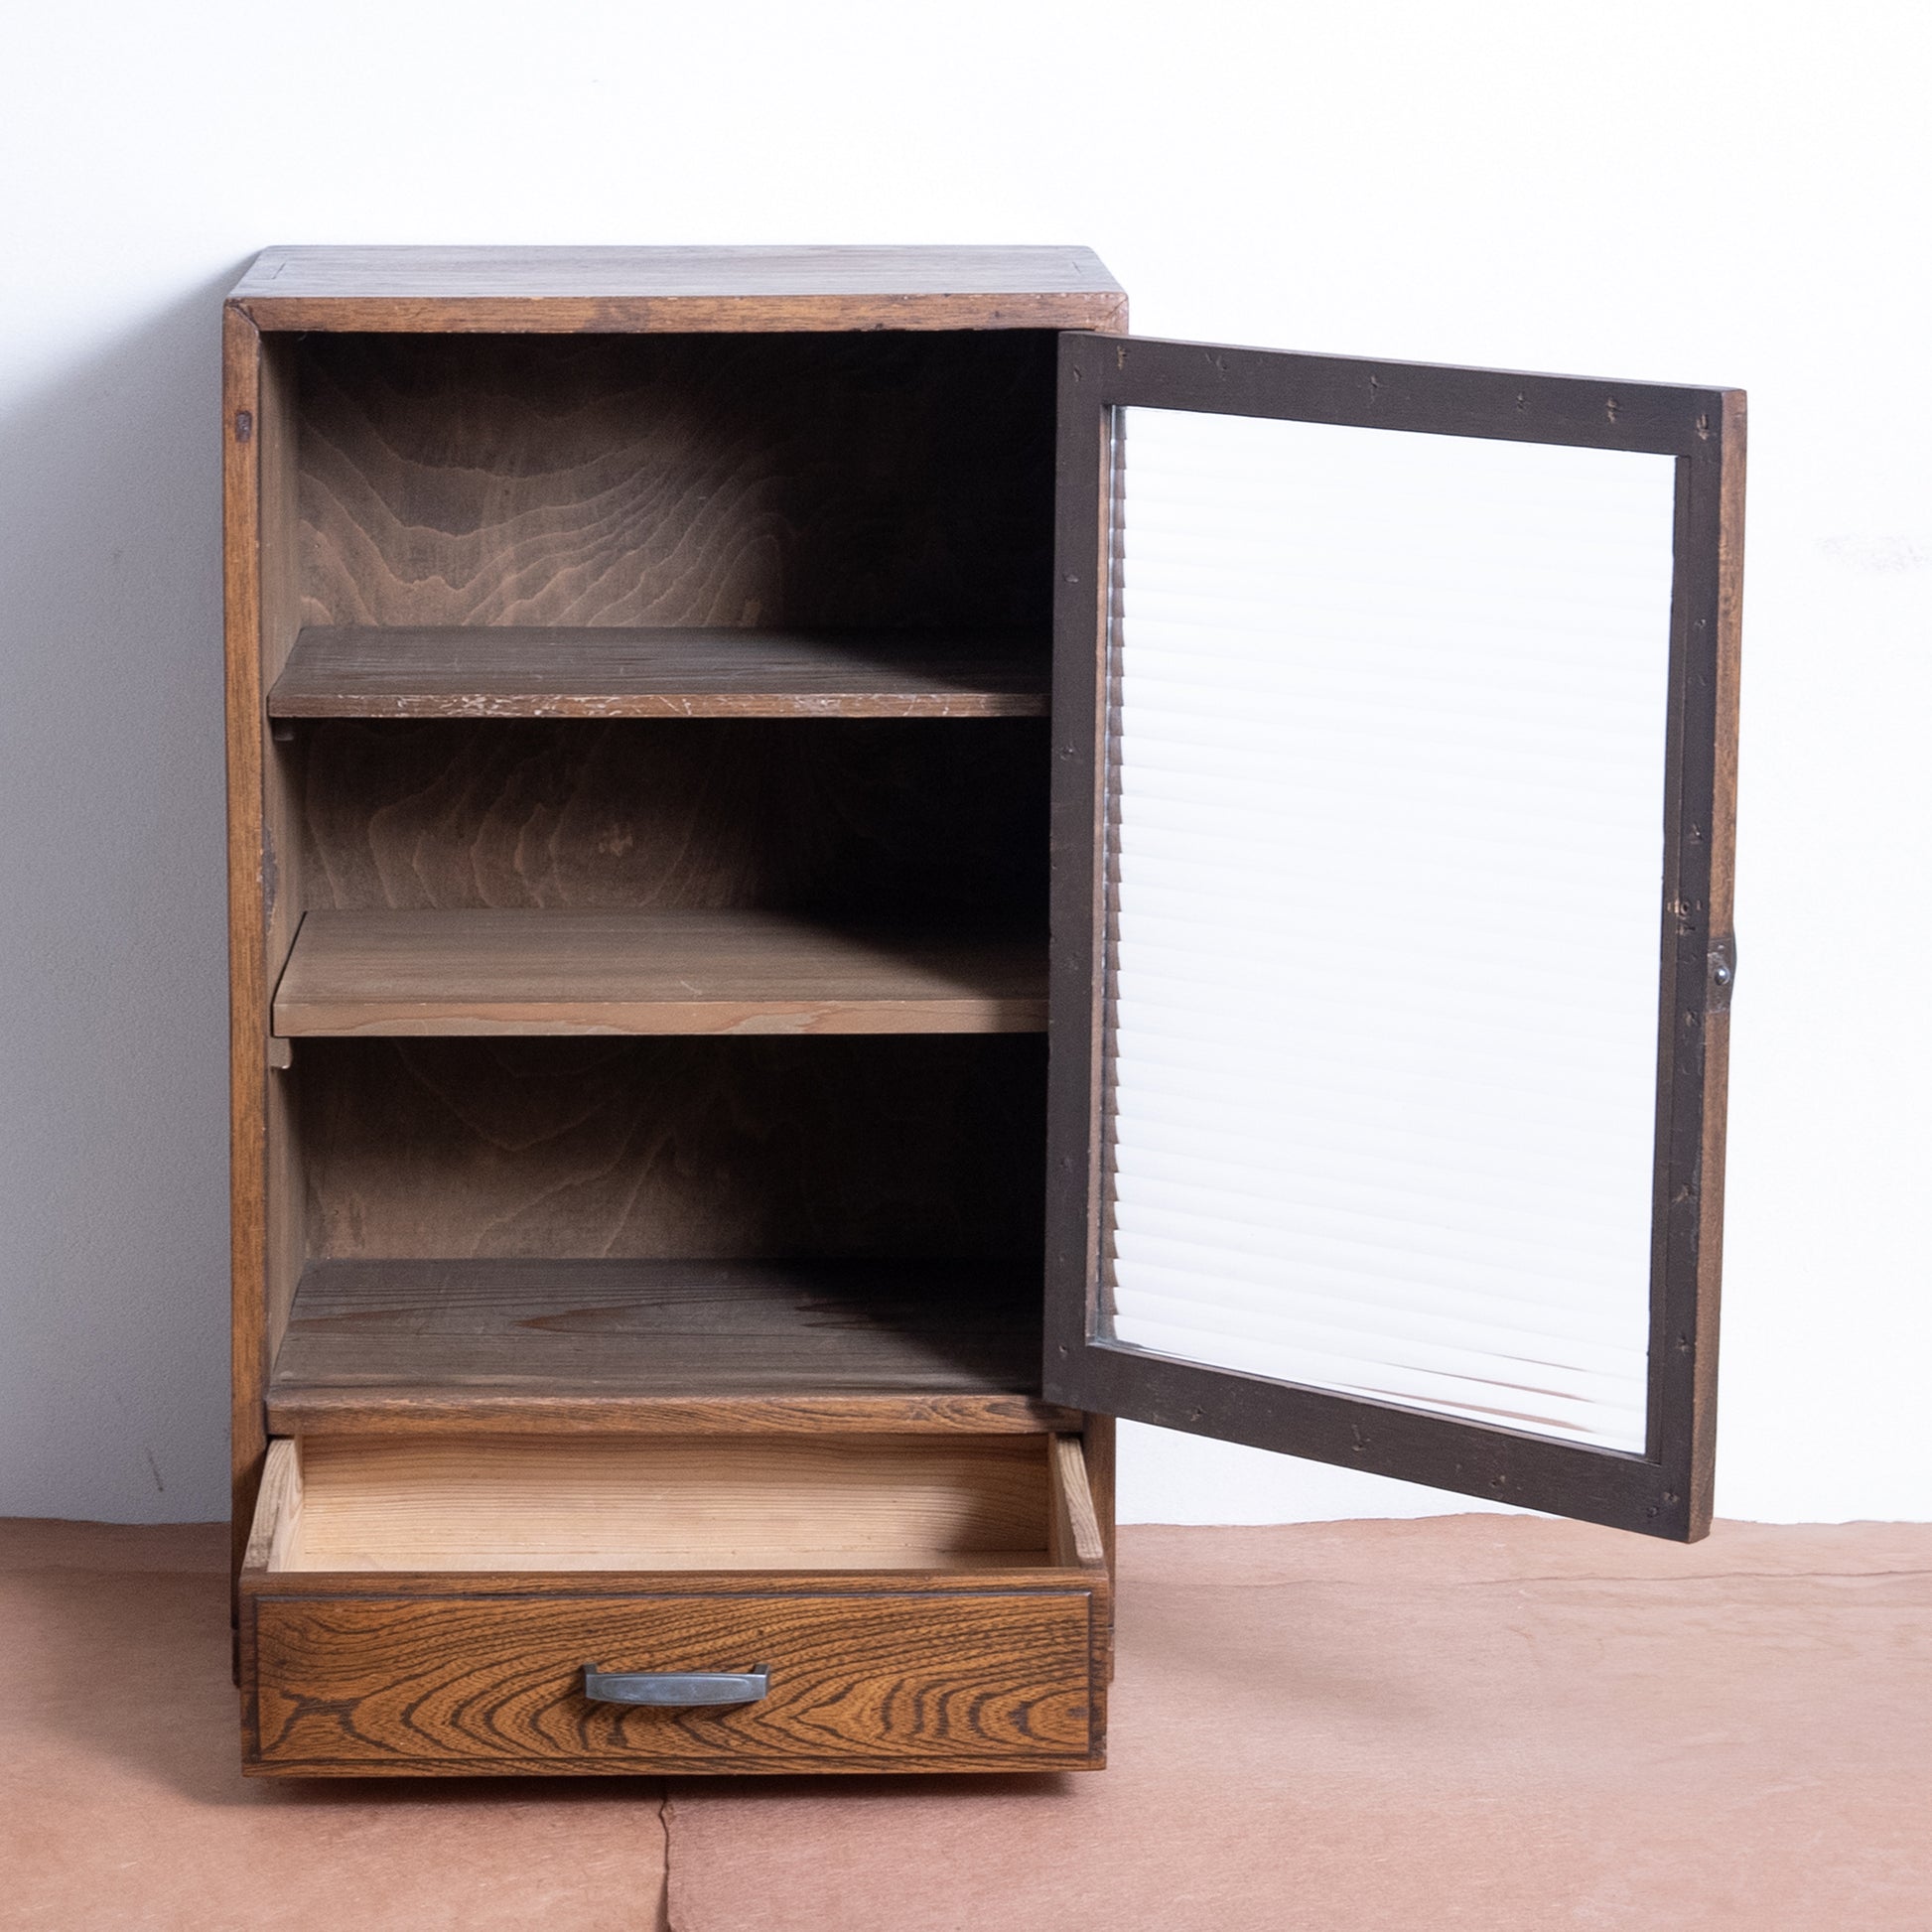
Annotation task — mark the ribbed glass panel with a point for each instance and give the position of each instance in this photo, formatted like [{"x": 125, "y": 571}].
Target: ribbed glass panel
[{"x": 1388, "y": 842}]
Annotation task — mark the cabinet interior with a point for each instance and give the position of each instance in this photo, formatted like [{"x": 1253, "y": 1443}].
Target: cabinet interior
[
  {"x": 644, "y": 708},
  {"x": 869, "y": 482}
]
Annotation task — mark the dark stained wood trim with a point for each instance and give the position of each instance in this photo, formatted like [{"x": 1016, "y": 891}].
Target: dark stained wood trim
[
  {"x": 1699, "y": 956},
  {"x": 1665, "y": 1491},
  {"x": 1077, "y": 835},
  {"x": 1499, "y": 405}
]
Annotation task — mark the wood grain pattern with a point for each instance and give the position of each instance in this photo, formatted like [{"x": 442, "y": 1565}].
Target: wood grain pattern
[
  {"x": 917, "y": 1145},
  {"x": 281, "y": 847},
  {"x": 1700, "y": 820},
  {"x": 662, "y": 1503},
  {"x": 522, "y": 971},
  {"x": 260, "y": 617},
  {"x": 286, "y": 1202},
  {"x": 807, "y": 483},
  {"x": 436, "y": 1409},
  {"x": 911, "y": 822},
  {"x": 950, "y": 1667},
  {"x": 620, "y": 671},
  {"x": 278, "y": 1509},
  {"x": 739, "y": 289},
  {"x": 668, "y": 1330},
  {"x": 1078, "y": 1535},
  {"x": 1097, "y": 1445},
  {"x": 1074, "y": 1529},
  {"x": 794, "y": 520},
  {"x": 1098, "y": 1442},
  {"x": 927, "y": 1679},
  {"x": 241, "y": 406}
]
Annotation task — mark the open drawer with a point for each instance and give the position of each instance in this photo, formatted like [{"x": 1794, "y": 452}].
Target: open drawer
[{"x": 644, "y": 1604}]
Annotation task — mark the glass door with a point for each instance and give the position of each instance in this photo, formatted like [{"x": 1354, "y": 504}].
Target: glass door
[{"x": 1394, "y": 717}]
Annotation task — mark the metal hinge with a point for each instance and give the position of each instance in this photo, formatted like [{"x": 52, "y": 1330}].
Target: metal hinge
[{"x": 1721, "y": 974}]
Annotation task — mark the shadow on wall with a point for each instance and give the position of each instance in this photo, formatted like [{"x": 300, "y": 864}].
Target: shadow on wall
[{"x": 113, "y": 1237}]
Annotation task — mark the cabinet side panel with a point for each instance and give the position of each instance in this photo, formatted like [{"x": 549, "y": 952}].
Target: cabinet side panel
[
  {"x": 1097, "y": 1441},
  {"x": 242, "y": 413},
  {"x": 1097, "y": 1445},
  {"x": 1085, "y": 520},
  {"x": 281, "y": 840}
]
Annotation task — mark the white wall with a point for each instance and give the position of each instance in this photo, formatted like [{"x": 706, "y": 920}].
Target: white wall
[{"x": 1699, "y": 191}]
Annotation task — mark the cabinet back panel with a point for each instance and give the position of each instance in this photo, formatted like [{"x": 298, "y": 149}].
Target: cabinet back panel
[
  {"x": 896, "y": 819},
  {"x": 844, "y": 480},
  {"x": 892, "y": 1146}
]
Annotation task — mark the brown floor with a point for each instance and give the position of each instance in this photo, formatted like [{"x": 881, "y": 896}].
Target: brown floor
[{"x": 1475, "y": 1721}]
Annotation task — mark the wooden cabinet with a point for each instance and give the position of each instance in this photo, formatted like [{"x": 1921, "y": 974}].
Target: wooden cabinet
[{"x": 732, "y": 1091}]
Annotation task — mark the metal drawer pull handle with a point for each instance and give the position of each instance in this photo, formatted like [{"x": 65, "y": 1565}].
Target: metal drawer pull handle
[{"x": 676, "y": 1687}]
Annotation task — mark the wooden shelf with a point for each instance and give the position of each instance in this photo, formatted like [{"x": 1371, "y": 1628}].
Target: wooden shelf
[
  {"x": 494, "y": 671},
  {"x": 562, "y": 972},
  {"x": 380, "y": 1346}
]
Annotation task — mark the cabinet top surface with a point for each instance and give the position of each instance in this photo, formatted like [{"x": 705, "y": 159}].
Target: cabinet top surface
[{"x": 424, "y": 288}]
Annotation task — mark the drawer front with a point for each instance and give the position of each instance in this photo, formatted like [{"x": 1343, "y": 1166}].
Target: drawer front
[{"x": 908, "y": 1679}]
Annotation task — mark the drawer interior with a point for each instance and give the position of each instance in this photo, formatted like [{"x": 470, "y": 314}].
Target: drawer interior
[{"x": 492, "y": 1504}]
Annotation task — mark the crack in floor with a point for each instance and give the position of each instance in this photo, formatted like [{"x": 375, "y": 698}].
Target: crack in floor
[{"x": 662, "y": 1922}]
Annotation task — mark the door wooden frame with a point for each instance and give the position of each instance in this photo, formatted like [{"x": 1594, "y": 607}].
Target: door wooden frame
[{"x": 1666, "y": 1491}]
